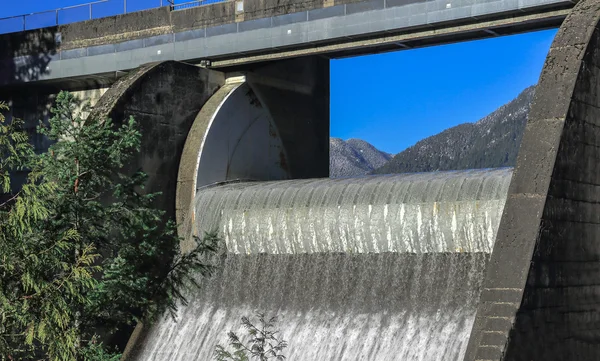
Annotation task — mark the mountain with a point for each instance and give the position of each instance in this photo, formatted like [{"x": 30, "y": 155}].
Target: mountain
[
  {"x": 354, "y": 157},
  {"x": 489, "y": 143}
]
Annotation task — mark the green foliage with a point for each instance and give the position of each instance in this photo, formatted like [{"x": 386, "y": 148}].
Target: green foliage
[
  {"x": 15, "y": 149},
  {"x": 41, "y": 275},
  {"x": 96, "y": 351},
  {"x": 83, "y": 252},
  {"x": 262, "y": 343}
]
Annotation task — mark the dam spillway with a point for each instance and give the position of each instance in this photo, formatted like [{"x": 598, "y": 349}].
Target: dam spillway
[
  {"x": 371, "y": 268},
  {"x": 539, "y": 298}
]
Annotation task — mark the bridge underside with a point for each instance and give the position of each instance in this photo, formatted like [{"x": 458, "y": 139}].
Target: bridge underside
[{"x": 417, "y": 37}]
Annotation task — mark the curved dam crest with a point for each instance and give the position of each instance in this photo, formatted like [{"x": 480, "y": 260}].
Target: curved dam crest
[{"x": 372, "y": 268}]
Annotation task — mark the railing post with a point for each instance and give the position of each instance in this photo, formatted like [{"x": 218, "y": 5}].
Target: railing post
[
  {"x": 56, "y": 17},
  {"x": 90, "y": 11},
  {"x": 124, "y": 6},
  {"x": 24, "y": 23}
]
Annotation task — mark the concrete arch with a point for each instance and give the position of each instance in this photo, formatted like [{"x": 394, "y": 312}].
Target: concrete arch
[
  {"x": 164, "y": 99},
  {"x": 278, "y": 110},
  {"x": 270, "y": 122},
  {"x": 233, "y": 137},
  {"x": 541, "y": 297}
]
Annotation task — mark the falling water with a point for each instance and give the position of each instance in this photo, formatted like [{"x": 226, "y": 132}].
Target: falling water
[{"x": 372, "y": 268}]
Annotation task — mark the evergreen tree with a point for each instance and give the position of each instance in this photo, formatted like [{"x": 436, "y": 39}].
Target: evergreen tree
[{"x": 83, "y": 253}]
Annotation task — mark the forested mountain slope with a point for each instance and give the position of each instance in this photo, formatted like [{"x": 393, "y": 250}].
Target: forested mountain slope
[{"x": 489, "y": 143}]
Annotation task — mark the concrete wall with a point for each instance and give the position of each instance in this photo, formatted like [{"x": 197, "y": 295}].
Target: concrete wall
[
  {"x": 177, "y": 103},
  {"x": 296, "y": 92},
  {"x": 164, "y": 99},
  {"x": 541, "y": 299},
  {"x": 163, "y": 21}
]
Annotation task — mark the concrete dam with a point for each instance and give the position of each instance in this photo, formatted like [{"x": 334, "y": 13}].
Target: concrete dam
[
  {"x": 373, "y": 268},
  {"x": 478, "y": 265}
]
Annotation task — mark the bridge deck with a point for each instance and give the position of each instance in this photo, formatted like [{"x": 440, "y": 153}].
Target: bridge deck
[{"x": 265, "y": 31}]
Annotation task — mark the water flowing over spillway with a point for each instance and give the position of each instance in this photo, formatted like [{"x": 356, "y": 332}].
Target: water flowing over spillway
[{"x": 372, "y": 268}]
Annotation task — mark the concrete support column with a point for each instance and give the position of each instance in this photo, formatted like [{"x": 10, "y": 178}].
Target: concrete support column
[
  {"x": 296, "y": 92},
  {"x": 541, "y": 297}
]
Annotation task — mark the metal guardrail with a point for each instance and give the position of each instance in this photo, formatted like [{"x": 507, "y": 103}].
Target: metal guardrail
[
  {"x": 71, "y": 14},
  {"x": 192, "y": 4}
]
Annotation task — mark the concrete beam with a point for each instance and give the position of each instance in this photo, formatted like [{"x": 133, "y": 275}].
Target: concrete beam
[
  {"x": 277, "y": 31},
  {"x": 432, "y": 36}
]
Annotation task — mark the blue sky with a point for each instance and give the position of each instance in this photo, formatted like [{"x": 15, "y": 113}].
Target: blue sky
[
  {"x": 31, "y": 6},
  {"x": 393, "y": 100}
]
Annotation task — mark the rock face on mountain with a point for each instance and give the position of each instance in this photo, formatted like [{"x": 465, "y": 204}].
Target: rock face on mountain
[
  {"x": 489, "y": 143},
  {"x": 354, "y": 157}
]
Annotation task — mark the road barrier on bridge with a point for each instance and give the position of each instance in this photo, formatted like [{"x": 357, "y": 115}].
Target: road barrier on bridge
[{"x": 91, "y": 10}]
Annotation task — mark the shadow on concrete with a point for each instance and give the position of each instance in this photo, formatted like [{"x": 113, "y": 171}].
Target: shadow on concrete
[{"x": 25, "y": 56}]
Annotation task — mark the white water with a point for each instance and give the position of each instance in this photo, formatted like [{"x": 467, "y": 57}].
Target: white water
[{"x": 374, "y": 268}]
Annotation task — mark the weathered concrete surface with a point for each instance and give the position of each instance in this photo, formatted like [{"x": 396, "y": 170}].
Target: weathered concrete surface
[
  {"x": 164, "y": 99},
  {"x": 541, "y": 299},
  {"x": 293, "y": 94},
  {"x": 190, "y": 162},
  {"x": 161, "y": 21}
]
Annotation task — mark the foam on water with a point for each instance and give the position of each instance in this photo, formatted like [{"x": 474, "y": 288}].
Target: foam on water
[{"x": 373, "y": 268}]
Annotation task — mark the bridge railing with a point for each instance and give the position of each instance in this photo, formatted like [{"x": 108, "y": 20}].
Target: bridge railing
[
  {"x": 91, "y": 10},
  {"x": 191, "y": 4}
]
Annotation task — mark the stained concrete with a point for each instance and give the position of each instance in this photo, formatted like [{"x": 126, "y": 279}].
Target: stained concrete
[
  {"x": 541, "y": 299},
  {"x": 189, "y": 162},
  {"x": 164, "y": 99}
]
